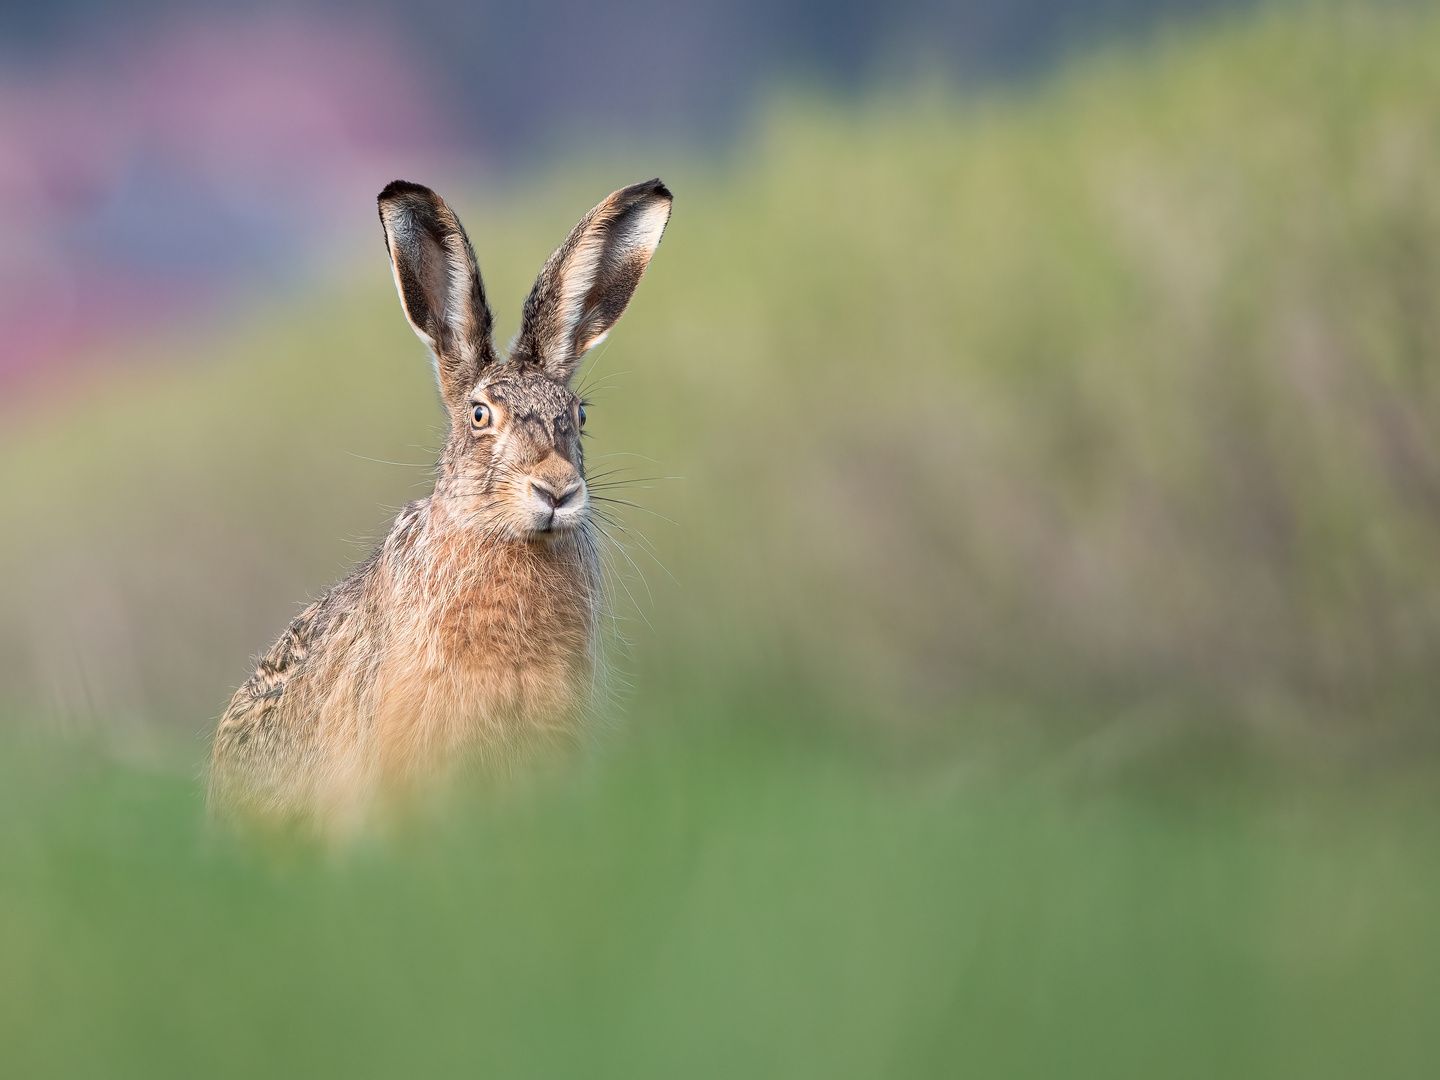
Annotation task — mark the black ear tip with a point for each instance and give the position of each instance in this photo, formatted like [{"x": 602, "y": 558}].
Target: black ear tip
[
  {"x": 396, "y": 188},
  {"x": 646, "y": 189}
]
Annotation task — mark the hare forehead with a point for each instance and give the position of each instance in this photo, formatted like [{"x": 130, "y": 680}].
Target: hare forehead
[{"x": 529, "y": 396}]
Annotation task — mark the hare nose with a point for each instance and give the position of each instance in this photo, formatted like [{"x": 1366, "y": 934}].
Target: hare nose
[{"x": 554, "y": 500}]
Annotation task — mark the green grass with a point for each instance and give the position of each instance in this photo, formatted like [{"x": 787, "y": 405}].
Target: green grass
[{"x": 724, "y": 906}]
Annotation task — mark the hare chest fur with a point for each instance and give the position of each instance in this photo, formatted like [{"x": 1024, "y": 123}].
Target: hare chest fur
[
  {"x": 490, "y": 648},
  {"x": 472, "y": 629}
]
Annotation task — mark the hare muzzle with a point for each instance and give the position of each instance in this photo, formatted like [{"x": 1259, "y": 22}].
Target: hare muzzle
[{"x": 556, "y": 497}]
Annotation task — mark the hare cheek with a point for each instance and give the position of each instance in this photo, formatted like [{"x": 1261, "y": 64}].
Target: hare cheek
[
  {"x": 499, "y": 447},
  {"x": 488, "y": 455}
]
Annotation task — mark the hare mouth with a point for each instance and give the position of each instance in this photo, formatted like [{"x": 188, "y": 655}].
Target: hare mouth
[{"x": 551, "y": 523}]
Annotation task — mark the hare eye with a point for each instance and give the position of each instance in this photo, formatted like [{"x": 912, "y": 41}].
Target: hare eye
[
  {"x": 481, "y": 417},
  {"x": 582, "y": 415}
]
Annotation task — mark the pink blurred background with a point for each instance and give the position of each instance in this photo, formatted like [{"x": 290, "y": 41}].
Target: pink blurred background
[{"x": 146, "y": 180}]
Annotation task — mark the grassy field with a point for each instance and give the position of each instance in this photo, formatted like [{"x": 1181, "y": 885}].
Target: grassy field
[
  {"x": 1030, "y": 638},
  {"x": 723, "y": 907}
]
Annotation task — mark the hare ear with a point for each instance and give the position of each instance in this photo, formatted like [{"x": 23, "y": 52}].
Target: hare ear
[
  {"x": 439, "y": 285},
  {"x": 587, "y": 283}
]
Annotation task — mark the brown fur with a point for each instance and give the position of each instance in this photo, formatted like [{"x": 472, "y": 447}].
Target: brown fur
[{"x": 471, "y": 631}]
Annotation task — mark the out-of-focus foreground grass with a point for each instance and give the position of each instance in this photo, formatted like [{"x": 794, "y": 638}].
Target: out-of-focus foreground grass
[
  {"x": 723, "y": 908},
  {"x": 1058, "y": 522}
]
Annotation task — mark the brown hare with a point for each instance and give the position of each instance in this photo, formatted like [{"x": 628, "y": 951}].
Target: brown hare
[{"x": 472, "y": 629}]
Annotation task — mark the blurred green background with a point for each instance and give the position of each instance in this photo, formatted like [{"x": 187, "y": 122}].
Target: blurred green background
[{"x": 1026, "y": 637}]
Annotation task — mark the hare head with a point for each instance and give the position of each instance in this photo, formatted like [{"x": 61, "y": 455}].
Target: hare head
[{"x": 513, "y": 465}]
